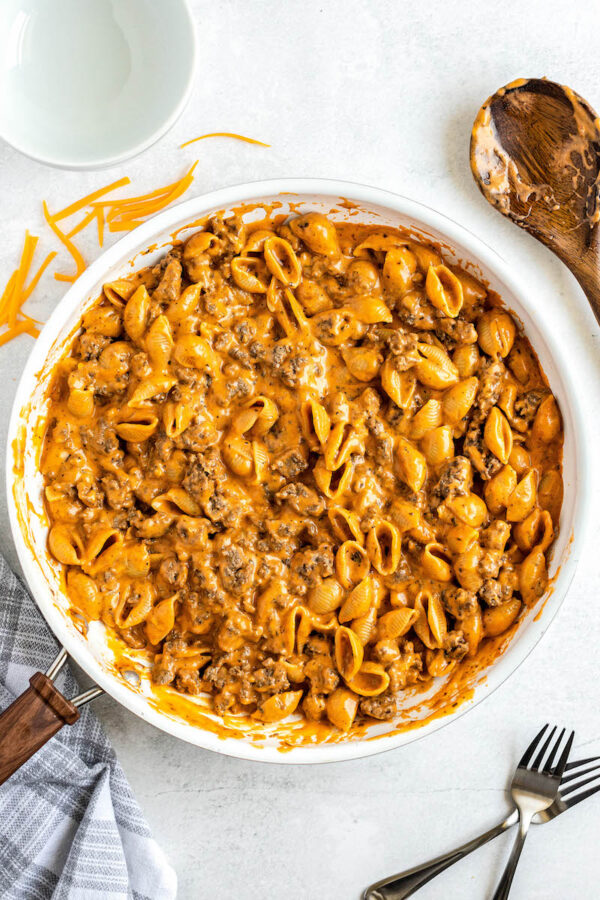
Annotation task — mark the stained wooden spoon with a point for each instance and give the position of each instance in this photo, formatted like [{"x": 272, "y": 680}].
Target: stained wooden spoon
[{"x": 535, "y": 154}]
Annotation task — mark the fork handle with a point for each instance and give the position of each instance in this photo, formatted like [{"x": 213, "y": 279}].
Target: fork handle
[
  {"x": 406, "y": 883},
  {"x": 503, "y": 889}
]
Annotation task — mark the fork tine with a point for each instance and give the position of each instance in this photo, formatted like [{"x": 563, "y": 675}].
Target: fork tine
[
  {"x": 536, "y": 764},
  {"x": 573, "y": 801},
  {"x": 575, "y": 787},
  {"x": 531, "y": 749},
  {"x": 547, "y": 769},
  {"x": 560, "y": 765},
  {"x": 578, "y": 774},
  {"x": 581, "y": 762}
]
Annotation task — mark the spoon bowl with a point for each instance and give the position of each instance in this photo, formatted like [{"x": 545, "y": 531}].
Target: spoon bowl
[{"x": 535, "y": 155}]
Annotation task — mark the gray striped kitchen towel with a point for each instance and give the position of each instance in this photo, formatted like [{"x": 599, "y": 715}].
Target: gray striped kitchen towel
[{"x": 69, "y": 825}]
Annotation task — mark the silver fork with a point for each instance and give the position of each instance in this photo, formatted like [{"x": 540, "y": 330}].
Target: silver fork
[
  {"x": 405, "y": 884},
  {"x": 534, "y": 788}
]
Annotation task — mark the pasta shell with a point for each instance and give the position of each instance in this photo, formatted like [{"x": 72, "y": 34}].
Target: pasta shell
[
  {"x": 195, "y": 352},
  {"x": 435, "y": 369},
  {"x": 458, "y": 400},
  {"x": 185, "y": 306},
  {"x": 534, "y": 531},
  {"x": 100, "y": 540},
  {"x": 326, "y": 596},
  {"x": 497, "y": 619},
  {"x": 468, "y": 509},
  {"x": 351, "y": 563},
  {"x": 315, "y": 423},
  {"x": 237, "y": 454},
  {"x": 264, "y": 414},
  {"x": 365, "y": 626},
  {"x": 546, "y": 425},
  {"x": 362, "y": 362},
  {"x": 65, "y": 545},
  {"x": 278, "y": 707},
  {"x": 135, "y": 315},
  {"x": 334, "y": 484},
  {"x": 159, "y": 342},
  {"x": 436, "y": 618},
  {"x": 119, "y": 291},
  {"x": 256, "y": 241},
  {"x": 250, "y": 274},
  {"x": 437, "y": 664},
  {"x": 426, "y": 256},
  {"x": 466, "y": 359},
  {"x": 396, "y": 623},
  {"x": 438, "y": 445},
  {"x": 348, "y": 653},
  {"x": 176, "y": 500},
  {"x": 84, "y": 595},
  {"x": 106, "y": 320},
  {"x": 80, "y": 403},
  {"x": 436, "y": 562},
  {"x": 345, "y": 524},
  {"x": 369, "y": 309},
  {"x": 461, "y": 537},
  {"x": 497, "y": 435},
  {"x": 176, "y": 418},
  {"x": 466, "y": 568},
  {"x": 317, "y": 232},
  {"x": 379, "y": 242},
  {"x": 161, "y": 619},
  {"x": 496, "y": 332},
  {"x": 444, "y": 290},
  {"x": 499, "y": 489},
  {"x": 411, "y": 464},
  {"x": 400, "y": 386},
  {"x": 140, "y": 425},
  {"x": 358, "y": 602},
  {"x": 281, "y": 261},
  {"x": 370, "y": 680},
  {"x": 522, "y": 499},
  {"x": 399, "y": 266},
  {"x": 287, "y": 310},
  {"x": 342, "y": 442},
  {"x": 383, "y": 547},
  {"x": 472, "y": 629},
  {"x": 405, "y": 515},
  {"x": 428, "y": 417},
  {"x": 341, "y": 708},
  {"x": 149, "y": 389},
  {"x": 135, "y": 604},
  {"x": 313, "y": 297},
  {"x": 550, "y": 493}
]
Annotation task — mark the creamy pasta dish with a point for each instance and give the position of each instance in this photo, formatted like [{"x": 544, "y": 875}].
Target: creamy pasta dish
[{"x": 303, "y": 466}]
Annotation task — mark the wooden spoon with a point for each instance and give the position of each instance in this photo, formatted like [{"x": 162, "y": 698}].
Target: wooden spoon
[{"x": 535, "y": 154}]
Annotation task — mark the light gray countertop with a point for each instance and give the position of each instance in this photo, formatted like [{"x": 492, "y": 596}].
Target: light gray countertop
[{"x": 382, "y": 93}]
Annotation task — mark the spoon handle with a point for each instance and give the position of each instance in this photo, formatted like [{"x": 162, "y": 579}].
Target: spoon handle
[{"x": 586, "y": 270}]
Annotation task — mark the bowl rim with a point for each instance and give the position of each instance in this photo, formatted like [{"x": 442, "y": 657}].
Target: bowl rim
[
  {"x": 101, "y": 162},
  {"x": 188, "y": 211}
]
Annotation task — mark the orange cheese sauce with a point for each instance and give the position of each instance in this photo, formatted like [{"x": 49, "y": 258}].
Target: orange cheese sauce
[{"x": 302, "y": 467}]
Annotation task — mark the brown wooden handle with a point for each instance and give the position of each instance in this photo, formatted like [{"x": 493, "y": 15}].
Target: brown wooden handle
[{"x": 30, "y": 721}]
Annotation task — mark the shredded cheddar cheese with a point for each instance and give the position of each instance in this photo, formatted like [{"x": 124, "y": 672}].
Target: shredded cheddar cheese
[
  {"x": 118, "y": 214},
  {"x": 225, "y": 134},
  {"x": 123, "y": 215},
  {"x": 15, "y": 293}
]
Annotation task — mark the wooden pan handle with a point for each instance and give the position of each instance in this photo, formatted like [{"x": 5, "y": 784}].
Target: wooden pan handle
[{"x": 30, "y": 721}]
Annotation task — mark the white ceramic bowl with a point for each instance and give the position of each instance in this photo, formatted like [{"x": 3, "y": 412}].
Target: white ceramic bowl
[
  {"x": 26, "y": 511},
  {"x": 89, "y": 83}
]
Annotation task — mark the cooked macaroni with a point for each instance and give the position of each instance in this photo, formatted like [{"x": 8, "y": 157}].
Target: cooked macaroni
[{"x": 304, "y": 466}]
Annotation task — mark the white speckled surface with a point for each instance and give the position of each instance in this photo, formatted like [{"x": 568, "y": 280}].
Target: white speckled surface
[{"x": 382, "y": 93}]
